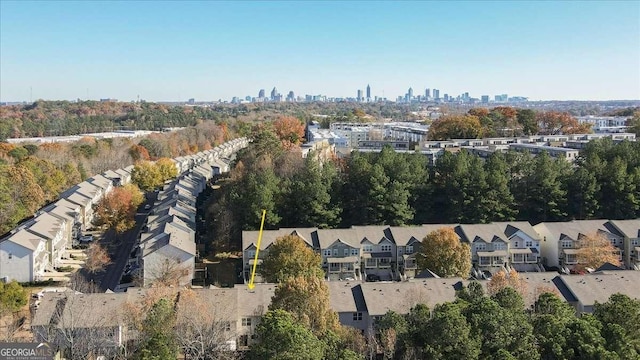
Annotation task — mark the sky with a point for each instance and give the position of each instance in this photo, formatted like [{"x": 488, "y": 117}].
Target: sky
[{"x": 210, "y": 50}]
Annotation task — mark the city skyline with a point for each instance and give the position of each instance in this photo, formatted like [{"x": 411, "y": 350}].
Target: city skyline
[{"x": 218, "y": 50}]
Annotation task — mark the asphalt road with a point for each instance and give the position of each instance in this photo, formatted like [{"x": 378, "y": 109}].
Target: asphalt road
[{"x": 119, "y": 247}]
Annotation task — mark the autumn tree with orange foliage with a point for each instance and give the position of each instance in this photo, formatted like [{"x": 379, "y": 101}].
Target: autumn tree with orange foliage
[
  {"x": 138, "y": 153},
  {"x": 596, "y": 250},
  {"x": 289, "y": 130},
  {"x": 556, "y": 123},
  {"x": 501, "y": 280},
  {"x": 455, "y": 127},
  {"x": 97, "y": 258},
  {"x": 118, "y": 208}
]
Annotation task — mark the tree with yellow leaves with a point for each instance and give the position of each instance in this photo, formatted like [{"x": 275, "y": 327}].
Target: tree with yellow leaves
[
  {"x": 595, "y": 250},
  {"x": 443, "y": 253}
]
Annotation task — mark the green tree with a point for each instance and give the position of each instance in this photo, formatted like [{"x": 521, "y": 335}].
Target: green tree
[
  {"x": 527, "y": 119},
  {"x": 450, "y": 335},
  {"x": 501, "y": 329},
  {"x": 309, "y": 199},
  {"x": 443, "y": 253},
  {"x": 12, "y": 297},
  {"x": 499, "y": 204},
  {"x": 471, "y": 293},
  {"x": 541, "y": 192},
  {"x": 157, "y": 329},
  {"x": 582, "y": 194},
  {"x": 620, "y": 317},
  {"x": 289, "y": 256},
  {"x": 282, "y": 337}
]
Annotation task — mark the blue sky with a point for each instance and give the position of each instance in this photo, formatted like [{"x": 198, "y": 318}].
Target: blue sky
[{"x": 213, "y": 50}]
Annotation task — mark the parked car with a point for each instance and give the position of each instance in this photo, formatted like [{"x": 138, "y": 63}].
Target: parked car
[
  {"x": 86, "y": 238},
  {"x": 147, "y": 207},
  {"x": 373, "y": 277}
]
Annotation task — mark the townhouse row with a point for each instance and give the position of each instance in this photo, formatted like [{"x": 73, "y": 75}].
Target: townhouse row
[
  {"x": 103, "y": 318},
  {"x": 166, "y": 245},
  {"x": 389, "y": 252},
  {"x": 37, "y": 245}
]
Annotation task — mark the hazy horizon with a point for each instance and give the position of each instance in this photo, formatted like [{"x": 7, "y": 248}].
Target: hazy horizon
[{"x": 173, "y": 51}]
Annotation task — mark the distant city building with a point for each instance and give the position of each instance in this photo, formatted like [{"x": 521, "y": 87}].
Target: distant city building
[
  {"x": 261, "y": 93},
  {"x": 192, "y": 101},
  {"x": 274, "y": 93},
  {"x": 368, "y": 92},
  {"x": 410, "y": 93},
  {"x": 427, "y": 93},
  {"x": 485, "y": 99},
  {"x": 359, "y": 98},
  {"x": 108, "y": 100},
  {"x": 502, "y": 98},
  {"x": 436, "y": 94}
]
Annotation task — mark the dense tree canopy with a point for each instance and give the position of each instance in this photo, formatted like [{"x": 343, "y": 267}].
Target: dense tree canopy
[
  {"x": 289, "y": 256},
  {"x": 443, "y": 253}
]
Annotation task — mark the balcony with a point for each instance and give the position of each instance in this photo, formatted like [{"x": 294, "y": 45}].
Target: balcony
[
  {"x": 570, "y": 256},
  {"x": 491, "y": 258},
  {"x": 380, "y": 260},
  {"x": 344, "y": 264},
  {"x": 524, "y": 256}
]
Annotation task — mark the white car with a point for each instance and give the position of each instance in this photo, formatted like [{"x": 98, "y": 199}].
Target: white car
[{"x": 86, "y": 238}]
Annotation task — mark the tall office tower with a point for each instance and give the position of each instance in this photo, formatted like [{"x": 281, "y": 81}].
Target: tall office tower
[
  {"x": 446, "y": 97},
  {"x": 368, "y": 92},
  {"x": 436, "y": 94},
  {"x": 410, "y": 93},
  {"x": 484, "y": 99},
  {"x": 291, "y": 96},
  {"x": 261, "y": 93},
  {"x": 427, "y": 93},
  {"x": 359, "y": 95},
  {"x": 274, "y": 93},
  {"x": 466, "y": 96}
]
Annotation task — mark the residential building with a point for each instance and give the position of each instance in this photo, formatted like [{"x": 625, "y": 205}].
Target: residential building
[
  {"x": 561, "y": 240},
  {"x": 502, "y": 245}
]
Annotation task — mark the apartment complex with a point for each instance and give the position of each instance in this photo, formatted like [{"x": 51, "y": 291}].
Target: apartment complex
[{"x": 389, "y": 252}]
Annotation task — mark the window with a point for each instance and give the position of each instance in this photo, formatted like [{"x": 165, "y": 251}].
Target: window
[
  {"x": 385, "y": 248},
  {"x": 635, "y": 242},
  {"x": 244, "y": 340},
  {"x": 409, "y": 249},
  {"x": 227, "y": 326},
  {"x": 400, "y": 250},
  {"x": 498, "y": 246},
  {"x": 346, "y": 252},
  {"x": 567, "y": 244},
  {"x": 481, "y": 246},
  {"x": 528, "y": 243},
  {"x": 354, "y": 252},
  {"x": 246, "y": 321},
  {"x": 252, "y": 253},
  {"x": 10, "y": 256},
  {"x": 335, "y": 252},
  {"x": 516, "y": 244},
  {"x": 357, "y": 316},
  {"x": 367, "y": 248},
  {"x": 327, "y": 252}
]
